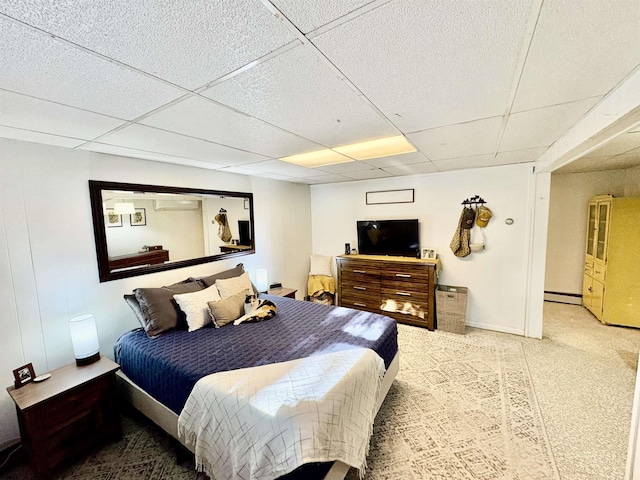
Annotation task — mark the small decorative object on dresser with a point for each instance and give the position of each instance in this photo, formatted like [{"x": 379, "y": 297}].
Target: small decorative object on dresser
[
  {"x": 23, "y": 375},
  {"x": 428, "y": 253}
]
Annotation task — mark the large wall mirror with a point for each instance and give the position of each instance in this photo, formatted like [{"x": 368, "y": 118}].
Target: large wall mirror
[{"x": 142, "y": 229}]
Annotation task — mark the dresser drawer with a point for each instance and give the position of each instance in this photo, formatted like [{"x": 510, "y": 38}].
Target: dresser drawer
[
  {"x": 359, "y": 269},
  {"x": 404, "y": 271},
  {"x": 361, "y": 288},
  {"x": 408, "y": 308},
  {"x": 361, "y": 302},
  {"x": 403, "y": 294},
  {"x": 360, "y": 279}
]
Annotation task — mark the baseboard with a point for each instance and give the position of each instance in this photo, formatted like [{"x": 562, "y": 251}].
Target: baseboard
[
  {"x": 561, "y": 297},
  {"x": 11, "y": 455}
]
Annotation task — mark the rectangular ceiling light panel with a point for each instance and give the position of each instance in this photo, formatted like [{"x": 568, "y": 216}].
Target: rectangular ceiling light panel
[
  {"x": 382, "y": 147},
  {"x": 319, "y": 158}
]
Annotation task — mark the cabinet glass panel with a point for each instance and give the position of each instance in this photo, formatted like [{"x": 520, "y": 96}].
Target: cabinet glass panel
[
  {"x": 591, "y": 229},
  {"x": 603, "y": 212}
]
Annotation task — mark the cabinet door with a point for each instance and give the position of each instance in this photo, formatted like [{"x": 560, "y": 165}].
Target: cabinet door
[
  {"x": 586, "y": 291},
  {"x": 591, "y": 231},
  {"x": 597, "y": 298},
  {"x": 602, "y": 231}
]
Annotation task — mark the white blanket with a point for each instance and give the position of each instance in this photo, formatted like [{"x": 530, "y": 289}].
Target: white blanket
[{"x": 264, "y": 422}]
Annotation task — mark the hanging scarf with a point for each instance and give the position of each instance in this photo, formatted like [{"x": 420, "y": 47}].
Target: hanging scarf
[
  {"x": 460, "y": 241},
  {"x": 224, "y": 231}
]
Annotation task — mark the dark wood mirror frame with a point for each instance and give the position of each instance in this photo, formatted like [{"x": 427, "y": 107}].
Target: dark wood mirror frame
[{"x": 95, "y": 191}]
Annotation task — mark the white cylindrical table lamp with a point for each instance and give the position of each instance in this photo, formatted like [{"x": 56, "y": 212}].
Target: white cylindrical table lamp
[
  {"x": 262, "y": 283},
  {"x": 84, "y": 337}
]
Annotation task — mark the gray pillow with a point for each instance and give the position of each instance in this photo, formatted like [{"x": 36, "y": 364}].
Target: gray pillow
[
  {"x": 211, "y": 279},
  {"x": 159, "y": 310},
  {"x": 226, "y": 311},
  {"x": 132, "y": 301}
]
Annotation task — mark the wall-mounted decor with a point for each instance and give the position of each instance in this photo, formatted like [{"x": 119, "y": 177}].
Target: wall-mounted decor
[
  {"x": 428, "y": 253},
  {"x": 390, "y": 196},
  {"x": 139, "y": 218},
  {"x": 112, "y": 219},
  {"x": 246, "y": 204}
]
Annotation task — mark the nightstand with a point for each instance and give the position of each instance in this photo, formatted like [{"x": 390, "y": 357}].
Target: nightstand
[
  {"x": 68, "y": 413},
  {"x": 283, "y": 292}
]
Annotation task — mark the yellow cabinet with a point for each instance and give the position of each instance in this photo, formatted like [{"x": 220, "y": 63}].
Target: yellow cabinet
[{"x": 611, "y": 288}]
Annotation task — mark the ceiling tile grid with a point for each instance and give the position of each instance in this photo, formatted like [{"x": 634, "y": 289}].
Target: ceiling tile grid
[
  {"x": 412, "y": 169},
  {"x": 38, "y": 137},
  {"x": 38, "y": 65},
  {"x": 460, "y": 140},
  {"x": 141, "y": 137},
  {"x": 581, "y": 49},
  {"x": 309, "y": 16},
  {"x": 29, "y": 113},
  {"x": 298, "y": 92},
  {"x": 475, "y": 161},
  {"x": 456, "y": 58},
  {"x": 202, "y": 118},
  {"x": 186, "y": 42}
]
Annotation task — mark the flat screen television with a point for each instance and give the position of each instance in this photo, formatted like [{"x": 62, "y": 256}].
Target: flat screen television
[{"x": 388, "y": 237}]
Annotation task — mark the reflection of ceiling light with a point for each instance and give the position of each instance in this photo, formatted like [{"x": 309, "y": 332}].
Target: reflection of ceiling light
[
  {"x": 124, "y": 208},
  {"x": 319, "y": 158},
  {"x": 382, "y": 147}
]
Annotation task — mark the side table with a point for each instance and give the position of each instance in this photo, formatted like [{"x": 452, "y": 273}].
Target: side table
[
  {"x": 283, "y": 292},
  {"x": 68, "y": 413}
]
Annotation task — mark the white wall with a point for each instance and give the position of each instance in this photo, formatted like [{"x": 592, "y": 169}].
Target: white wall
[
  {"x": 48, "y": 270},
  {"x": 632, "y": 182},
  {"x": 568, "y": 224},
  {"x": 497, "y": 278}
]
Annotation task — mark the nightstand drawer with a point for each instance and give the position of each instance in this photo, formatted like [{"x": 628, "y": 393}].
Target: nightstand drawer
[{"x": 71, "y": 405}]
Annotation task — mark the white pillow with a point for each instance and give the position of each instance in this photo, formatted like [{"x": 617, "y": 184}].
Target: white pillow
[
  {"x": 321, "y": 265},
  {"x": 228, "y": 287},
  {"x": 195, "y": 306}
]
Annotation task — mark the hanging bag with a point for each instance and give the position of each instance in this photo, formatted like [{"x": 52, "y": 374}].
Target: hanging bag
[{"x": 460, "y": 241}]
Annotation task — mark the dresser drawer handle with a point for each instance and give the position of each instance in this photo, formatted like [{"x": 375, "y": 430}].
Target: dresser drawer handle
[
  {"x": 404, "y": 294},
  {"x": 359, "y": 304},
  {"x": 359, "y": 271},
  {"x": 403, "y": 275},
  {"x": 359, "y": 288}
]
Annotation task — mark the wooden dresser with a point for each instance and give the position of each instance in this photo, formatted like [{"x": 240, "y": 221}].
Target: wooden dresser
[{"x": 400, "y": 287}]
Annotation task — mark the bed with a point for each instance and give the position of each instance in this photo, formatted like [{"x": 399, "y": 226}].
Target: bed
[{"x": 158, "y": 374}]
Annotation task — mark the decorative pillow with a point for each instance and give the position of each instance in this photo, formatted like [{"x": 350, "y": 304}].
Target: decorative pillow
[
  {"x": 265, "y": 310},
  {"x": 160, "y": 310},
  {"x": 229, "y": 309},
  {"x": 194, "y": 305},
  {"x": 211, "y": 279},
  {"x": 231, "y": 286},
  {"x": 135, "y": 306},
  {"x": 321, "y": 265}
]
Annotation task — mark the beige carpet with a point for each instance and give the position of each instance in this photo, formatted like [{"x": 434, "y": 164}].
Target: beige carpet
[{"x": 461, "y": 408}]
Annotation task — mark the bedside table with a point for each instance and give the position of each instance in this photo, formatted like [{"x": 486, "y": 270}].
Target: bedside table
[
  {"x": 283, "y": 292},
  {"x": 68, "y": 413}
]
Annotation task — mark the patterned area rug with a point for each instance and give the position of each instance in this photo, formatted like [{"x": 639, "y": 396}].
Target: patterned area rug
[{"x": 460, "y": 408}]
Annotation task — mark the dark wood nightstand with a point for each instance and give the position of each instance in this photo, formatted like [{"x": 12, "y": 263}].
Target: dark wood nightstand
[
  {"x": 283, "y": 292},
  {"x": 68, "y": 413}
]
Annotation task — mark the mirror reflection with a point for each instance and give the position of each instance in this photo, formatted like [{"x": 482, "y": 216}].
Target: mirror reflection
[{"x": 144, "y": 228}]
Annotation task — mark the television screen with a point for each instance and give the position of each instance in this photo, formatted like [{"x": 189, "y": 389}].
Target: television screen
[{"x": 388, "y": 237}]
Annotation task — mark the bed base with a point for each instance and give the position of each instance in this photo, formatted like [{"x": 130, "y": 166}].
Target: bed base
[{"x": 167, "y": 420}]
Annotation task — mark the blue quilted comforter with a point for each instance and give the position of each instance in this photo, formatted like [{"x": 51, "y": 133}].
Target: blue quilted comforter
[{"x": 168, "y": 367}]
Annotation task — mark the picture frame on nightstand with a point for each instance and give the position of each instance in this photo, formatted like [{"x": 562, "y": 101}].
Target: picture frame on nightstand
[{"x": 23, "y": 375}]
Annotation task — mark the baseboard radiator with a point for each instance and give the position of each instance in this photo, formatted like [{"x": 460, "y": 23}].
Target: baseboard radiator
[{"x": 560, "y": 297}]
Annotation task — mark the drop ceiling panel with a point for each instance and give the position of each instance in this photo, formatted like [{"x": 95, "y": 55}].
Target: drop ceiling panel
[
  {"x": 354, "y": 166},
  {"x": 596, "y": 164},
  {"x": 396, "y": 160},
  {"x": 28, "y": 113},
  {"x": 466, "y": 162},
  {"x": 283, "y": 168},
  {"x": 204, "y": 119},
  {"x": 158, "y": 157},
  {"x": 188, "y": 43},
  {"x": 37, "y": 137},
  {"x": 366, "y": 174},
  {"x": 150, "y": 139},
  {"x": 428, "y": 64},
  {"x": 330, "y": 178},
  {"x": 542, "y": 126},
  {"x": 580, "y": 49},
  {"x": 620, "y": 144},
  {"x": 519, "y": 156},
  {"x": 300, "y": 93},
  {"x": 461, "y": 140},
  {"x": 308, "y": 16},
  {"x": 36, "y": 64},
  {"x": 412, "y": 169}
]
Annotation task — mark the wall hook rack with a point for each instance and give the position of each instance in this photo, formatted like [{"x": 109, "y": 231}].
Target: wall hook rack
[{"x": 475, "y": 200}]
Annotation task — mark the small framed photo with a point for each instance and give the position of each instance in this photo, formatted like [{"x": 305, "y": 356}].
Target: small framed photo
[
  {"x": 112, "y": 219},
  {"x": 428, "y": 253},
  {"x": 23, "y": 375},
  {"x": 138, "y": 219}
]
